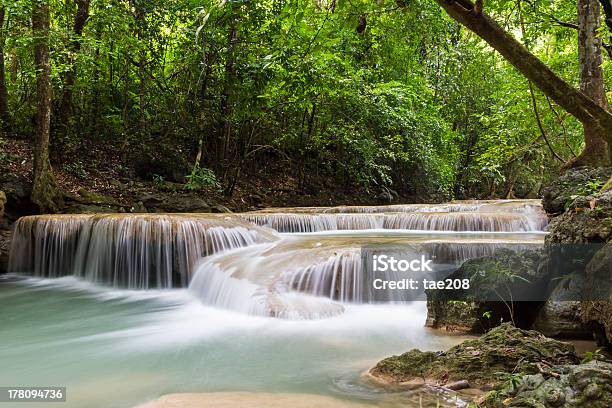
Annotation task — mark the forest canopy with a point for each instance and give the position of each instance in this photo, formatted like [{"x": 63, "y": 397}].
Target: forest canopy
[{"x": 380, "y": 95}]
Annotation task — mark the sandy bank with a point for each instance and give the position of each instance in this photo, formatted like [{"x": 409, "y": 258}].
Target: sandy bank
[{"x": 248, "y": 399}]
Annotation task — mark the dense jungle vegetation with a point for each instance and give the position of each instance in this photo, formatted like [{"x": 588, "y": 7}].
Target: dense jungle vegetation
[{"x": 417, "y": 97}]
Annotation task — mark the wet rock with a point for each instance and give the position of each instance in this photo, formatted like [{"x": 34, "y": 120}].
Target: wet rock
[
  {"x": 571, "y": 386},
  {"x": 485, "y": 362},
  {"x": 560, "y": 318},
  {"x": 458, "y": 385},
  {"x": 454, "y": 315},
  {"x": 255, "y": 200},
  {"x": 560, "y": 315},
  {"x": 582, "y": 181},
  {"x": 475, "y": 310},
  {"x": 89, "y": 202},
  {"x": 5, "y": 246}
]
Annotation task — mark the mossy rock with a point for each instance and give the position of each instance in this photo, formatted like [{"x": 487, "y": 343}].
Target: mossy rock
[
  {"x": 572, "y": 386},
  {"x": 582, "y": 181},
  {"x": 587, "y": 219},
  {"x": 91, "y": 197},
  {"x": 485, "y": 362}
]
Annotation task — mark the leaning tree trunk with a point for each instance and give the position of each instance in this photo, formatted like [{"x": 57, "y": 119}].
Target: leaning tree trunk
[
  {"x": 590, "y": 113},
  {"x": 45, "y": 191}
]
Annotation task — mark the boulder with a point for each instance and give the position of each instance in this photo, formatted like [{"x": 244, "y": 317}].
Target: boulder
[
  {"x": 597, "y": 312},
  {"x": 582, "y": 181},
  {"x": 486, "y": 362},
  {"x": 83, "y": 208},
  {"x": 588, "y": 219},
  {"x": 558, "y": 318},
  {"x": 477, "y": 309},
  {"x": 456, "y": 315},
  {"x": 17, "y": 192},
  {"x": 572, "y": 386}
]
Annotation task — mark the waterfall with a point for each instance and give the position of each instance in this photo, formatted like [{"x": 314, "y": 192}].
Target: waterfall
[
  {"x": 426, "y": 221},
  {"x": 133, "y": 251},
  {"x": 240, "y": 262},
  {"x": 272, "y": 279}
]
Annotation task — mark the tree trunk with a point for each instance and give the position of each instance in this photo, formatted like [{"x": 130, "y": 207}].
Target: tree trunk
[
  {"x": 596, "y": 150},
  {"x": 82, "y": 14},
  {"x": 575, "y": 102},
  {"x": 4, "y": 116},
  {"x": 45, "y": 191},
  {"x": 226, "y": 107}
]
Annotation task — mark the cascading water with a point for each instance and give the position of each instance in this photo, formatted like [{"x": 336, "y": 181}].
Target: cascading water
[
  {"x": 131, "y": 251},
  {"x": 272, "y": 279},
  {"x": 290, "y": 277},
  {"x": 508, "y": 216}
]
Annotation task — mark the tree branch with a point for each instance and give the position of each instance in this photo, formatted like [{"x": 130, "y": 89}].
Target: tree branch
[{"x": 568, "y": 97}]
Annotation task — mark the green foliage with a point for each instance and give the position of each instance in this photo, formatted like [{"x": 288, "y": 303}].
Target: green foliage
[
  {"x": 410, "y": 101},
  {"x": 593, "y": 356},
  {"x": 200, "y": 178}
]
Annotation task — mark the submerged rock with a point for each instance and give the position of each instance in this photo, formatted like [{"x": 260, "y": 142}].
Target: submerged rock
[
  {"x": 572, "y": 386},
  {"x": 485, "y": 362}
]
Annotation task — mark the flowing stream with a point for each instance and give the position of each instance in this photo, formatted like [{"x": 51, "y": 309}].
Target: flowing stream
[{"x": 122, "y": 309}]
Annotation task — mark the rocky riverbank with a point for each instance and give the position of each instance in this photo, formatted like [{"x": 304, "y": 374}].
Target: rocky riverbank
[
  {"x": 507, "y": 366},
  {"x": 523, "y": 368},
  {"x": 484, "y": 363},
  {"x": 580, "y": 208}
]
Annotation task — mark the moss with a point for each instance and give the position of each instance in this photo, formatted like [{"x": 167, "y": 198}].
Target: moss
[
  {"x": 487, "y": 361},
  {"x": 570, "y": 386},
  {"x": 94, "y": 198},
  {"x": 607, "y": 186}
]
